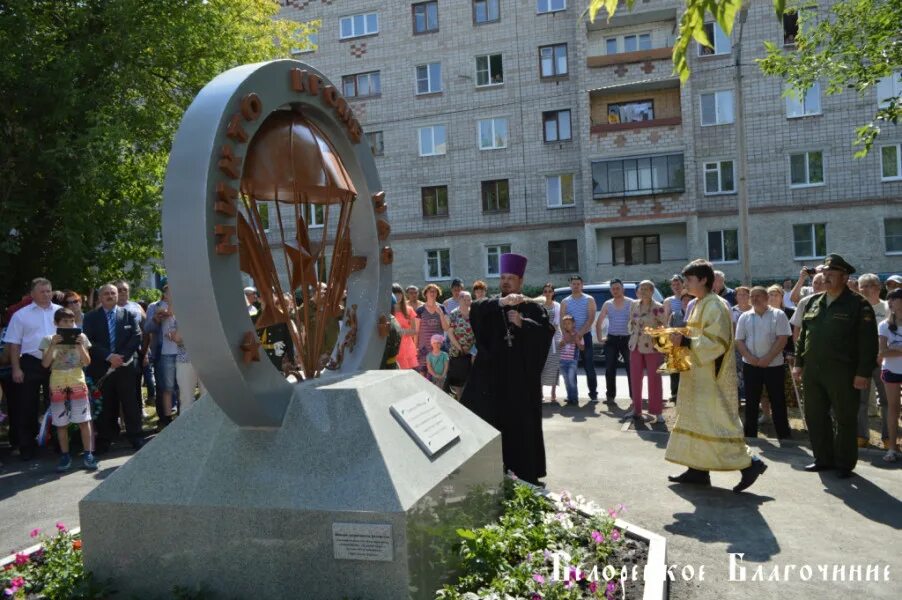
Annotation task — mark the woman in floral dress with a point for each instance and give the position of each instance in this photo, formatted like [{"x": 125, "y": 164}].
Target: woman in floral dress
[{"x": 643, "y": 356}]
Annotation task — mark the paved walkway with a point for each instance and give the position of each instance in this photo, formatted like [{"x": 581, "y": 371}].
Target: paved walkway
[{"x": 787, "y": 518}]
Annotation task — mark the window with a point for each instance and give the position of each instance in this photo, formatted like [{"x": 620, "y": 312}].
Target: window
[
  {"x": 493, "y": 259},
  {"x": 808, "y": 104},
  {"x": 559, "y": 190},
  {"x": 806, "y": 169},
  {"x": 809, "y": 240},
  {"x": 316, "y": 215},
  {"x": 548, "y": 6},
  {"x": 374, "y": 139},
  {"x": 638, "y": 176},
  {"x": 489, "y": 70},
  {"x": 435, "y": 201},
  {"x": 723, "y": 245},
  {"x": 790, "y": 28},
  {"x": 720, "y": 177},
  {"x": 263, "y": 211},
  {"x": 631, "y": 112},
  {"x": 309, "y": 42},
  {"x": 492, "y": 133},
  {"x": 438, "y": 264},
  {"x": 717, "y": 37},
  {"x": 486, "y": 11},
  {"x": 425, "y": 17},
  {"x": 553, "y": 60},
  {"x": 717, "y": 108},
  {"x": 556, "y": 124},
  {"x": 891, "y": 163},
  {"x": 495, "y": 196},
  {"x": 892, "y": 229},
  {"x": 889, "y": 87},
  {"x": 429, "y": 78},
  {"x": 563, "y": 257},
  {"x": 361, "y": 85},
  {"x": 636, "y": 250},
  {"x": 627, "y": 43},
  {"x": 358, "y": 25},
  {"x": 432, "y": 140}
]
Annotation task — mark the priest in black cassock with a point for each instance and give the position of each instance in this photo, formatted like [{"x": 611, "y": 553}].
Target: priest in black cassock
[{"x": 513, "y": 335}]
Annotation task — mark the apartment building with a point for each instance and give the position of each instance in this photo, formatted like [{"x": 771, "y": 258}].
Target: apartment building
[{"x": 517, "y": 125}]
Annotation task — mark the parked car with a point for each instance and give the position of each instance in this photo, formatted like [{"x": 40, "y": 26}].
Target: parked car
[{"x": 602, "y": 293}]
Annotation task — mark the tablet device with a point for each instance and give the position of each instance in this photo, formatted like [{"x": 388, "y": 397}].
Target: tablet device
[{"x": 69, "y": 335}]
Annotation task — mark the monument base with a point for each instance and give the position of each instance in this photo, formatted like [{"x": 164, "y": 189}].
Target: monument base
[{"x": 341, "y": 501}]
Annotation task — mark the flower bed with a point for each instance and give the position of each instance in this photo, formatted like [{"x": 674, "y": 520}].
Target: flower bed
[{"x": 551, "y": 547}]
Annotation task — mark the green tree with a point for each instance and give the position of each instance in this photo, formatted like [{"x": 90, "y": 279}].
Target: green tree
[
  {"x": 852, "y": 46},
  {"x": 91, "y": 94}
]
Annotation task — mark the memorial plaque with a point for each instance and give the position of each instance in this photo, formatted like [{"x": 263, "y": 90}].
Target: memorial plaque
[
  {"x": 362, "y": 541},
  {"x": 425, "y": 421}
]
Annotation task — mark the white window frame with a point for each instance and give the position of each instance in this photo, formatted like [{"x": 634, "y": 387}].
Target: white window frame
[
  {"x": 429, "y": 81},
  {"x": 499, "y": 250},
  {"x": 312, "y": 221},
  {"x": 620, "y": 42},
  {"x": 808, "y": 184},
  {"x": 488, "y": 69},
  {"x": 441, "y": 276},
  {"x": 355, "y": 34},
  {"x": 886, "y": 249},
  {"x": 718, "y": 168},
  {"x": 492, "y": 120},
  {"x": 813, "y": 240},
  {"x": 796, "y": 108},
  {"x": 559, "y": 201},
  {"x": 432, "y": 131},
  {"x": 723, "y": 248},
  {"x": 724, "y": 48},
  {"x": 267, "y": 220},
  {"x": 898, "y": 175},
  {"x": 889, "y": 87},
  {"x": 381, "y": 139},
  {"x": 549, "y": 6},
  {"x": 311, "y": 42},
  {"x": 717, "y": 110}
]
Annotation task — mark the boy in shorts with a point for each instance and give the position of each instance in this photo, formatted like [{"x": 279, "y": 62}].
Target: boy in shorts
[{"x": 69, "y": 398}]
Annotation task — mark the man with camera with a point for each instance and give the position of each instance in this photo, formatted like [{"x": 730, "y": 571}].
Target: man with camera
[{"x": 835, "y": 356}]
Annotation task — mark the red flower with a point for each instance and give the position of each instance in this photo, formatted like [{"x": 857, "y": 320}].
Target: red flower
[
  {"x": 76, "y": 545},
  {"x": 21, "y": 559}
]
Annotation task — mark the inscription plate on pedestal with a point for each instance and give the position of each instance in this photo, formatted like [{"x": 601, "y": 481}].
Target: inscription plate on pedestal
[
  {"x": 362, "y": 541},
  {"x": 425, "y": 421}
]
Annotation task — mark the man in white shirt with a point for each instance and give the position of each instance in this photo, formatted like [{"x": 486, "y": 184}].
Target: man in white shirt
[
  {"x": 27, "y": 328},
  {"x": 869, "y": 287},
  {"x": 761, "y": 334}
]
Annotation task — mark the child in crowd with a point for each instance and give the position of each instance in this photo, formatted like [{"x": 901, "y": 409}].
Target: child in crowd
[
  {"x": 69, "y": 399},
  {"x": 437, "y": 361},
  {"x": 890, "y": 338},
  {"x": 571, "y": 343}
]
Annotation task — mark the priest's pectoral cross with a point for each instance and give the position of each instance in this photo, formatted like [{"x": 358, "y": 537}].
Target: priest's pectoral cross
[{"x": 510, "y": 339}]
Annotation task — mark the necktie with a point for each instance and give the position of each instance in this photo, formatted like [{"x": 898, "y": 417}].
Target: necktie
[{"x": 111, "y": 326}]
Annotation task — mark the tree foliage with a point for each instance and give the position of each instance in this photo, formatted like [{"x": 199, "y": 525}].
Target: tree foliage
[
  {"x": 852, "y": 46},
  {"x": 91, "y": 94}
]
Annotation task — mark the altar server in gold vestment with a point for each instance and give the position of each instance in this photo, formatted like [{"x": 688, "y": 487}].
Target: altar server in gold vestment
[{"x": 708, "y": 434}]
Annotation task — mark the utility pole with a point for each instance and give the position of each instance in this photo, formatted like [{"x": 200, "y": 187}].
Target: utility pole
[{"x": 742, "y": 159}]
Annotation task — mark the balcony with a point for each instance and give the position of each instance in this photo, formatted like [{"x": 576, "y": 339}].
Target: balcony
[
  {"x": 625, "y": 58},
  {"x": 635, "y": 106}
]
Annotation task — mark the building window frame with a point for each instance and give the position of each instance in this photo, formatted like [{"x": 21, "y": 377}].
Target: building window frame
[
  {"x": 431, "y": 132},
  {"x": 354, "y": 79},
  {"x": 376, "y": 141},
  {"x": 493, "y": 254},
  {"x": 716, "y": 168},
  {"x": 440, "y": 258},
  {"x": 649, "y": 240},
  {"x": 555, "y": 194},
  {"x": 895, "y": 161},
  {"x": 639, "y": 41},
  {"x": 557, "y": 126},
  {"x": 617, "y": 114},
  {"x": 492, "y": 62},
  {"x": 495, "y": 194},
  {"x": 487, "y": 11},
  {"x": 434, "y": 201},
  {"x": 808, "y": 105},
  {"x": 554, "y": 61},
  {"x": 722, "y": 114},
  {"x": 549, "y": 7},
  {"x": 896, "y": 235},
  {"x": 673, "y": 166},
  {"x": 722, "y": 44},
  {"x": 353, "y": 23},
  {"x": 727, "y": 252},
  {"x": 889, "y": 87},
  {"x": 813, "y": 229},
  {"x": 563, "y": 257},
  {"x": 431, "y": 75},
  {"x": 316, "y": 216},
  {"x": 420, "y": 11},
  {"x": 807, "y": 156},
  {"x": 495, "y": 123}
]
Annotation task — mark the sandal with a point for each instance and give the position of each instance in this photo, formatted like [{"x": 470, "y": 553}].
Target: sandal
[{"x": 890, "y": 456}]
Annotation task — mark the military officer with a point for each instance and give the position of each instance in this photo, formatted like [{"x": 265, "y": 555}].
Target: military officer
[{"x": 837, "y": 348}]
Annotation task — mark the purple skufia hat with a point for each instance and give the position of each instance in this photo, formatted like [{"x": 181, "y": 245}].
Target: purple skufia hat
[{"x": 515, "y": 264}]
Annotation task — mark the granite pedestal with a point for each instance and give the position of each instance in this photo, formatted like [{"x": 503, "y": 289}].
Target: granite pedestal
[{"x": 338, "y": 502}]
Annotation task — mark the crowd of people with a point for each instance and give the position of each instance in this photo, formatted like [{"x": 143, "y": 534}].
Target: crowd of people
[{"x": 782, "y": 343}]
